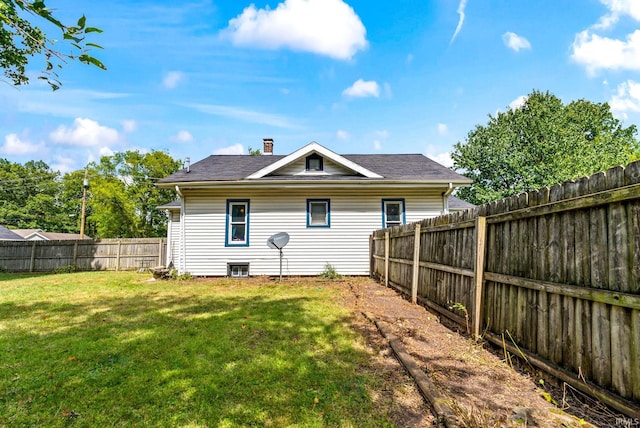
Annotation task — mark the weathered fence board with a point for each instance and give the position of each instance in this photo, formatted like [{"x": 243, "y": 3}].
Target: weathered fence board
[
  {"x": 560, "y": 276},
  {"x": 85, "y": 254}
]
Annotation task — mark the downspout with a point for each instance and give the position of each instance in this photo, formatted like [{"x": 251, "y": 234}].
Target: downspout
[
  {"x": 182, "y": 262},
  {"x": 445, "y": 198},
  {"x": 170, "y": 243}
]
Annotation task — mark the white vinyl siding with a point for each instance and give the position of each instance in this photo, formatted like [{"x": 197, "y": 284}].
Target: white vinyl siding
[
  {"x": 355, "y": 214},
  {"x": 173, "y": 233},
  {"x": 299, "y": 167}
]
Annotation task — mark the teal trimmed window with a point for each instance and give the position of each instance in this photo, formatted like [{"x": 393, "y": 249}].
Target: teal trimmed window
[
  {"x": 393, "y": 212},
  {"x": 318, "y": 213},
  {"x": 237, "y": 225}
]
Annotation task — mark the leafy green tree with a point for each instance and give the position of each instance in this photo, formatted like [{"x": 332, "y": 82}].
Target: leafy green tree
[
  {"x": 254, "y": 152},
  {"x": 124, "y": 198},
  {"x": 70, "y": 197},
  {"x": 29, "y": 198},
  {"x": 20, "y": 40},
  {"x": 541, "y": 143},
  {"x": 110, "y": 212}
]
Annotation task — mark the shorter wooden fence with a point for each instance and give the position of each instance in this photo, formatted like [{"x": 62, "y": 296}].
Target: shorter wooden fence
[
  {"x": 83, "y": 254},
  {"x": 552, "y": 275}
]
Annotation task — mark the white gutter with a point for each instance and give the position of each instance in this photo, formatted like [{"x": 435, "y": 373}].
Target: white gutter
[
  {"x": 445, "y": 198},
  {"x": 302, "y": 184}
]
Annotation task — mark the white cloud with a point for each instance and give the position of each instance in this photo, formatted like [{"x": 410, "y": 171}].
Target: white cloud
[
  {"x": 105, "y": 151},
  {"x": 236, "y": 149},
  {"x": 442, "y": 158},
  {"x": 518, "y": 102},
  {"x": 461, "y": 6},
  {"x": 377, "y": 145},
  {"x": 324, "y": 27},
  {"x": 627, "y": 99},
  {"x": 617, "y": 9},
  {"x": 341, "y": 134},
  {"x": 383, "y": 133},
  {"x": 443, "y": 129},
  {"x": 14, "y": 145},
  {"x": 85, "y": 133},
  {"x": 182, "y": 137},
  {"x": 361, "y": 89},
  {"x": 129, "y": 125},
  {"x": 172, "y": 78},
  {"x": 605, "y": 22},
  {"x": 597, "y": 52},
  {"x": 515, "y": 42},
  {"x": 409, "y": 59},
  {"x": 63, "y": 164}
]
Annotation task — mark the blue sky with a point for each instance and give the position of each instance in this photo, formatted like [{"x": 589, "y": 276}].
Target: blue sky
[{"x": 358, "y": 76}]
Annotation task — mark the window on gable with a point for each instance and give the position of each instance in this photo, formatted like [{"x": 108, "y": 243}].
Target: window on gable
[
  {"x": 392, "y": 212},
  {"x": 237, "y": 233},
  {"x": 318, "y": 214},
  {"x": 314, "y": 162}
]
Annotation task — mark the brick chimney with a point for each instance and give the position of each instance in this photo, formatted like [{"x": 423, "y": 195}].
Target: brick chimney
[{"x": 267, "y": 146}]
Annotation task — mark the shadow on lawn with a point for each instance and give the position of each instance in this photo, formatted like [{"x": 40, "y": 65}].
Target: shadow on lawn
[{"x": 199, "y": 360}]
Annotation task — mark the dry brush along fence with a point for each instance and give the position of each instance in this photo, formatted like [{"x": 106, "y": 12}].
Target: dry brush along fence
[
  {"x": 82, "y": 254},
  {"x": 553, "y": 275}
]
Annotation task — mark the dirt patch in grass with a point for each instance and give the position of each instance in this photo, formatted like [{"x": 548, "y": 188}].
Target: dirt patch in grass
[{"x": 481, "y": 387}]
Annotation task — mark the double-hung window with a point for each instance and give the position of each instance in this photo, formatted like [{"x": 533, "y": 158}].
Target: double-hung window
[
  {"x": 392, "y": 212},
  {"x": 237, "y": 223},
  {"x": 318, "y": 213}
]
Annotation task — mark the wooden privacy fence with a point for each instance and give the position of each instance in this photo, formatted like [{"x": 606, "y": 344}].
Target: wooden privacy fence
[
  {"x": 85, "y": 254},
  {"x": 553, "y": 274}
]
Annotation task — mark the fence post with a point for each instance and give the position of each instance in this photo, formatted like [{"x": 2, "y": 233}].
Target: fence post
[
  {"x": 386, "y": 258},
  {"x": 478, "y": 273},
  {"x": 371, "y": 256},
  {"x": 118, "y": 257},
  {"x": 33, "y": 256},
  {"x": 416, "y": 265},
  {"x": 75, "y": 253},
  {"x": 160, "y": 252}
]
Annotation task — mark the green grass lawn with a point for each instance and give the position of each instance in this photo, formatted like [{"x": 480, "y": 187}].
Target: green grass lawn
[{"x": 108, "y": 349}]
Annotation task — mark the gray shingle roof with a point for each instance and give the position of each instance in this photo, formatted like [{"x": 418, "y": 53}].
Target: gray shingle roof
[
  {"x": 406, "y": 167},
  {"x": 411, "y": 167},
  {"x": 222, "y": 168},
  {"x": 171, "y": 205},
  {"x": 459, "y": 204},
  {"x": 7, "y": 235},
  {"x": 52, "y": 236}
]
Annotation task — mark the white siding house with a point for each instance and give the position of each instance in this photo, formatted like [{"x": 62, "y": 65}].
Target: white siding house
[{"x": 328, "y": 204}]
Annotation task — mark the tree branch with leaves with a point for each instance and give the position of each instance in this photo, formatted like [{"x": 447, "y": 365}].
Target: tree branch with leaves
[{"x": 20, "y": 40}]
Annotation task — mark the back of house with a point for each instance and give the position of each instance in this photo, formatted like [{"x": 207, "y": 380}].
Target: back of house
[{"x": 328, "y": 204}]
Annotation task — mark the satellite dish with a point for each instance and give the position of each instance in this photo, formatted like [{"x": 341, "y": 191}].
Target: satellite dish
[{"x": 278, "y": 241}]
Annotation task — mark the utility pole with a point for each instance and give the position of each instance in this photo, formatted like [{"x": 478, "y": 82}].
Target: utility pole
[{"x": 85, "y": 186}]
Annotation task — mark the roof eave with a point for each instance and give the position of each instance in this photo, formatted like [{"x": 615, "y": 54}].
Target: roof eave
[{"x": 313, "y": 184}]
